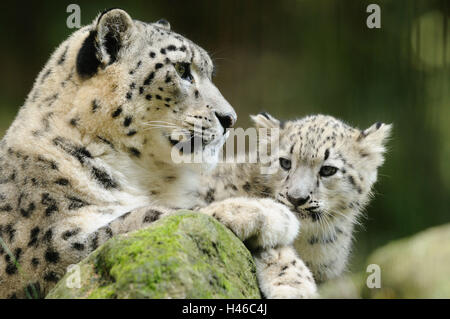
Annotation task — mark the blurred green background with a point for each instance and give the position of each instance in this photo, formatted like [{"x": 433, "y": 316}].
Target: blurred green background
[{"x": 293, "y": 58}]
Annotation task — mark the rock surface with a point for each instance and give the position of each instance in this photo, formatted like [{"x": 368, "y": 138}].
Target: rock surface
[
  {"x": 415, "y": 267},
  {"x": 187, "y": 255}
]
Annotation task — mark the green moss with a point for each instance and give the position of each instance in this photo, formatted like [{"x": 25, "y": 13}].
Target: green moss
[{"x": 187, "y": 255}]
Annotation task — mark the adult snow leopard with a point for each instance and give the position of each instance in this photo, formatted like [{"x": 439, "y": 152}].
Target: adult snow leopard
[{"x": 89, "y": 154}]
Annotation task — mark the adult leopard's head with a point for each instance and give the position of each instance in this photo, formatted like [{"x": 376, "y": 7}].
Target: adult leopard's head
[
  {"x": 324, "y": 168},
  {"x": 143, "y": 88}
]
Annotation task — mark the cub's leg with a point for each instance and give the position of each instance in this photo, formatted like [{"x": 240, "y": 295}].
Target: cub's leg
[
  {"x": 262, "y": 223},
  {"x": 282, "y": 274}
]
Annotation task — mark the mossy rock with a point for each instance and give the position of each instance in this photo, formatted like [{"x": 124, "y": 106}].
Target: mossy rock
[
  {"x": 414, "y": 267},
  {"x": 186, "y": 255}
]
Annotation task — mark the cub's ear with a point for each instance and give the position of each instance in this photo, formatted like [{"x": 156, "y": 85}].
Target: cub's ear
[
  {"x": 163, "y": 23},
  {"x": 372, "y": 141},
  {"x": 110, "y": 33},
  {"x": 265, "y": 120}
]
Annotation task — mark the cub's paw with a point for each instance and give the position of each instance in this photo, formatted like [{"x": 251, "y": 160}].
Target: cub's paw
[
  {"x": 279, "y": 226},
  {"x": 282, "y": 274},
  {"x": 288, "y": 292},
  {"x": 262, "y": 223}
]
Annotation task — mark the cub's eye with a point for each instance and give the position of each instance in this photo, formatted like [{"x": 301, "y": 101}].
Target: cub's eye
[
  {"x": 326, "y": 171},
  {"x": 285, "y": 163},
  {"x": 184, "y": 71}
]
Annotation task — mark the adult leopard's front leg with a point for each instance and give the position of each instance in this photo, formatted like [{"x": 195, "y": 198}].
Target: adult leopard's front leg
[
  {"x": 283, "y": 275},
  {"x": 261, "y": 223},
  {"x": 58, "y": 245}
]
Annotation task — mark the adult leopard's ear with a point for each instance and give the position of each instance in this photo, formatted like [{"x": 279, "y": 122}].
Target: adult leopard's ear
[
  {"x": 371, "y": 143},
  {"x": 265, "y": 120},
  {"x": 111, "y": 32}
]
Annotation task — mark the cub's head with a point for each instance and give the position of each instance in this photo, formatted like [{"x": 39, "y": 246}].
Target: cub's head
[
  {"x": 324, "y": 168},
  {"x": 142, "y": 88}
]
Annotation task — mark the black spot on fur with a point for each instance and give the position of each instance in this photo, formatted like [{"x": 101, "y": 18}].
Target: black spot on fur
[
  {"x": 27, "y": 212},
  {"x": 11, "y": 268},
  {"x": 74, "y": 121},
  {"x": 104, "y": 140},
  {"x": 134, "y": 151},
  {"x": 51, "y": 256},
  {"x": 327, "y": 154},
  {"x": 5, "y": 208},
  {"x": 50, "y": 163},
  {"x": 149, "y": 78},
  {"x": 62, "y": 181},
  {"x": 50, "y": 204},
  {"x": 158, "y": 66},
  {"x": 69, "y": 233},
  {"x": 210, "y": 196},
  {"x": 34, "y": 262},
  {"x": 94, "y": 241},
  {"x": 10, "y": 231},
  {"x": 78, "y": 246},
  {"x": 95, "y": 106},
  {"x": 51, "y": 277},
  {"x": 108, "y": 231},
  {"x": 117, "y": 112},
  {"x": 76, "y": 203},
  {"x": 103, "y": 178},
  {"x": 127, "y": 121},
  {"x": 87, "y": 62},
  {"x": 79, "y": 152},
  {"x": 46, "y": 74},
  {"x": 62, "y": 58},
  {"x": 151, "y": 216},
  {"x": 48, "y": 236}
]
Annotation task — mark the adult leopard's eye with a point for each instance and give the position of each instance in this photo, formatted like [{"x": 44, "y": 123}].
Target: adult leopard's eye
[
  {"x": 326, "y": 171},
  {"x": 184, "y": 71},
  {"x": 285, "y": 163}
]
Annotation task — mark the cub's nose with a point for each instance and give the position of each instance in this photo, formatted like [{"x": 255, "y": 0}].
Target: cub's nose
[
  {"x": 226, "y": 120},
  {"x": 297, "y": 201}
]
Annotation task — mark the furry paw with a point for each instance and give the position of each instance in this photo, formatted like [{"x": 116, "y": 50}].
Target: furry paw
[
  {"x": 288, "y": 292},
  {"x": 279, "y": 226},
  {"x": 263, "y": 223},
  {"x": 282, "y": 274}
]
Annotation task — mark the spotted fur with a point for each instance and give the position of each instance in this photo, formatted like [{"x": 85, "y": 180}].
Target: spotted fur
[
  {"x": 327, "y": 206},
  {"x": 88, "y": 155}
]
